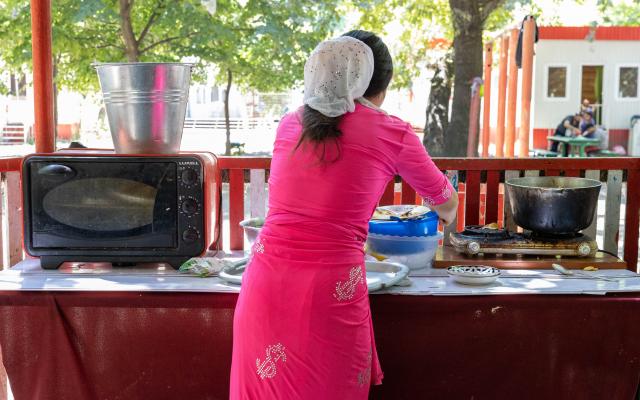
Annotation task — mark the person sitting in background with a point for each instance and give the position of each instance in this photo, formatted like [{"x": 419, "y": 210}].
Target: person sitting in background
[
  {"x": 570, "y": 126},
  {"x": 589, "y": 129},
  {"x": 586, "y": 106},
  {"x": 587, "y": 125},
  {"x": 602, "y": 135}
]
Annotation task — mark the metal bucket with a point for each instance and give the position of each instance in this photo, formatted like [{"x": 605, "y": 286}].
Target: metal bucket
[
  {"x": 146, "y": 105},
  {"x": 553, "y": 204}
]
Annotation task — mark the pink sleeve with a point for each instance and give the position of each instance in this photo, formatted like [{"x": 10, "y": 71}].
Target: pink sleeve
[{"x": 416, "y": 167}]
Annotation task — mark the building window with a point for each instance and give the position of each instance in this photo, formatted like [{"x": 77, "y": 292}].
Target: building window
[
  {"x": 628, "y": 82},
  {"x": 201, "y": 95},
  {"x": 215, "y": 95},
  {"x": 18, "y": 85},
  {"x": 557, "y": 82}
]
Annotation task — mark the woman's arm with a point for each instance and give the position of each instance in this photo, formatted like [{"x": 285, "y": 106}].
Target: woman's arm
[
  {"x": 448, "y": 210},
  {"x": 418, "y": 170}
]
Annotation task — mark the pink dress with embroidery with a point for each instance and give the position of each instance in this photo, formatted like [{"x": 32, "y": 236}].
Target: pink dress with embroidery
[{"x": 302, "y": 325}]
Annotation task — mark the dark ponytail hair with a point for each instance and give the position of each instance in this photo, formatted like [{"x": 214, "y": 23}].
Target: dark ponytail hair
[
  {"x": 317, "y": 127},
  {"x": 382, "y": 61}
]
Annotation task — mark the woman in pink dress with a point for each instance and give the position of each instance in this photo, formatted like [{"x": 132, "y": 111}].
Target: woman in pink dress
[{"x": 302, "y": 325}]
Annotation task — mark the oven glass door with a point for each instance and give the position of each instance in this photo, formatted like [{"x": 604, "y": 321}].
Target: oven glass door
[{"x": 104, "y": 205}]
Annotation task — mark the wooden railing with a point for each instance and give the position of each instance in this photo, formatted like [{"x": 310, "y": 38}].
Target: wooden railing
[
  {"x": 10, "y": 212},
  {"x": 480, "y": 191}
]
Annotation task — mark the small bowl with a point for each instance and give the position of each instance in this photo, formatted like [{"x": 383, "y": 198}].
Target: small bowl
[
  {"x": 252, "y": 227},
  {"x": 473, "y": 274}
]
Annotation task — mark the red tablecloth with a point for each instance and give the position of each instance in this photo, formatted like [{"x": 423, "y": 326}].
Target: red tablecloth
[{"x": 75, "y": 345}]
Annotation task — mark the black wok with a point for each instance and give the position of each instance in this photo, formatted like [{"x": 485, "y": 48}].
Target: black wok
[{"x": 553, "y": 205}]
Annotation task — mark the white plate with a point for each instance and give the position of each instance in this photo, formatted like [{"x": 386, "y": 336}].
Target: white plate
[
  {"x": 379, "y": 274},
  {"x": 399, "y": 211},
  {"x": 473, "y": 274}
]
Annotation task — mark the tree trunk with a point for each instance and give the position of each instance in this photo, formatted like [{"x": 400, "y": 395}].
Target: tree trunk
[
  {"x": 227, "y": 146},
  {"x": 468, "y": 23},
  {"x": 130, "y": 43},
  {"x": 438, "y": 107}
]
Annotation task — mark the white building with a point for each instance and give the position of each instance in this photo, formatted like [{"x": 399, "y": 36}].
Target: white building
[{"x": 599, "y": 64}]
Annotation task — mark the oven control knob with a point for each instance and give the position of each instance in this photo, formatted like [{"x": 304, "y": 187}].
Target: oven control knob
[
  {"x": 189, "y": 176},
  {"x": 473, "y": 248},
  {"x": 190, "y": 235},
  {"x": 189, "y": 206},
  {"x": 584, "y": 249}
]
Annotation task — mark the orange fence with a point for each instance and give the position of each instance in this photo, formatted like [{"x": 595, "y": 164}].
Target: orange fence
[{"x": 480, "y": 191}]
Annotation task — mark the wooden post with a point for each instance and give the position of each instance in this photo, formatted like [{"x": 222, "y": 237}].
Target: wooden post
[
  {"x": 502, "y": 94},
  {"x": 631, "y": 220},
  {"x": 486, "y": 112},
  {"x": 527, "y": 79},
  {"x": 42, "y": 75},
  {"x": 236, "y": 214},
  {"x": 512, "y": 99},
  {"x": 12, "y": 223}
]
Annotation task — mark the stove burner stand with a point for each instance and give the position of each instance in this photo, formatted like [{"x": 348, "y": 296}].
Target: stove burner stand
[{"x": 477, "y": 239}]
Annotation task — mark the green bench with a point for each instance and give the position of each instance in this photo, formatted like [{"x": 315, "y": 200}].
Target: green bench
[
  {"x": 604, "y": 153},
  {"x": 544, "y": 153}
]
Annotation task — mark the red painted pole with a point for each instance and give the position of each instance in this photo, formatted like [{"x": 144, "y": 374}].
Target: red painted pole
[
  {"x": 512, "y": 99},
  {"x": 486, "y": 102},
  {"x": 527, "y": 79},
  {"x": 502, "y": 95},
  {"x": 42, "y": 75}
]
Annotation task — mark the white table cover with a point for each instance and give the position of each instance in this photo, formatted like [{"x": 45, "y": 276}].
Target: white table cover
[{"x": 28, "y": 276}]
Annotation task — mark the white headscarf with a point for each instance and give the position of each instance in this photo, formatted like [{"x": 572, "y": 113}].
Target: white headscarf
[{"x": 337, "y": 72}]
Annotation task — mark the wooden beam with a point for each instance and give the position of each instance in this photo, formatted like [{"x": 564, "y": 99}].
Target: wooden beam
[
  {"x": 509, "y": 223},
  {"x": 527, "y": 81},
  {"x": 11, "y": 219},
  {"x": 631, "y": 220},
  {"x": 502, "y": 95},
  {"x": 257, "y": 193},
  {"x": 236, "y": 213},
  {"x": 486, "y": 101},
  {"x": 42, "y": 76},
  {"x": 408, "y": 194},
  {"x": 388, "y": 195},
  {"x": 592, "y": 230},
  {"x": 512, "y": 96},
  {"x": 472, "y": 199},
  {"x": 492, "y": 193},
  {"x": 226, "y": 162},
  {"x": 612, "y": 211},
  {"x": 10, "y": 164}
]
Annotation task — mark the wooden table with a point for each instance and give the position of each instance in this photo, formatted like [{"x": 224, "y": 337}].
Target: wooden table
[
  {"x": 139, "y": 346},
  {"x": 576, "y": 145},
  {"x": 447, "y": 256}
]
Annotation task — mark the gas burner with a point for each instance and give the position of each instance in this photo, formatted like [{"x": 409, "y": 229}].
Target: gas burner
[
  {"x": 482, "y": 232},
  {"x": 477, "y": 239},
  {"x": 556, "y": 237}
]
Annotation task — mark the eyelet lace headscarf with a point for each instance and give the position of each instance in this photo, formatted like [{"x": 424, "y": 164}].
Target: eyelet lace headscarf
[{"x": 337, "y": 72}]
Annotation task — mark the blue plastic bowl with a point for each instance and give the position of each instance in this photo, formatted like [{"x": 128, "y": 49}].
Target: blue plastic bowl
[
  {"x": 423, "y": 247},
  {"x": 426, "y": 226}
]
